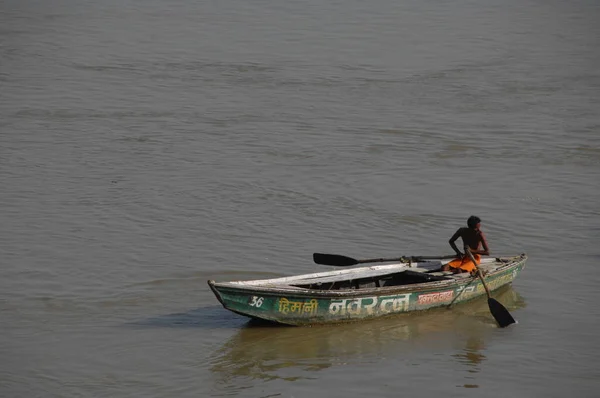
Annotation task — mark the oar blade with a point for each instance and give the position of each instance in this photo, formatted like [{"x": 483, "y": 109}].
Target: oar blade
[
  {"x": 500, "y": 313},
  {"x": 334, "y": 259}
]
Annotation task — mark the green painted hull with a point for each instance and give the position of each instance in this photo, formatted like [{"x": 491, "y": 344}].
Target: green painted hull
[{"x": 308, "y": 307}]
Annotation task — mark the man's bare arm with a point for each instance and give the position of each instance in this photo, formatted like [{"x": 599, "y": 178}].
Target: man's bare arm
[
  {"x": 486, "y": 249},
  {"x": 452, "y": 241}
]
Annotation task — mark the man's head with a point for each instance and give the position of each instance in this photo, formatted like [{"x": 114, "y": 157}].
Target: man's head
[{"x": 473, "y": 222}]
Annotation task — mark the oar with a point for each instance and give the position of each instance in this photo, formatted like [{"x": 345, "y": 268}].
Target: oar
[
  {"x": 500, "y": 313},
  {"x": 344, "y": 261}
]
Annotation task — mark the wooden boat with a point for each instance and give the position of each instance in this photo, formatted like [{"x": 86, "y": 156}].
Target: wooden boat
[{"x": 363, "y": 292}]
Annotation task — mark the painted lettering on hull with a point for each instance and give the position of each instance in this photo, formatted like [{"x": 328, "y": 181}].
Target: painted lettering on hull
[
  {"x": 298, "y": 307},
  {"x": 394, "y": 303},
  {"x": 437, "y": 297},
  {"x": 476, "y": 290},
  {"x": 353, "y": 306},
  {"x": 369, "y": 305},
  {"x": 500, "y": 281}
]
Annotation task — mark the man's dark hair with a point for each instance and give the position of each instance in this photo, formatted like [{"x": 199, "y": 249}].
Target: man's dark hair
[{"x": 473, "y": 221}]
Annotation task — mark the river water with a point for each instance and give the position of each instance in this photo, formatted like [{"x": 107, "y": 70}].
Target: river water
[{"x": 148, "y": 146}]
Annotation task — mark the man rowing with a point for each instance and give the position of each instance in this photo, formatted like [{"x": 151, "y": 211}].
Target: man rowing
[{"x": 472, "y": 238}]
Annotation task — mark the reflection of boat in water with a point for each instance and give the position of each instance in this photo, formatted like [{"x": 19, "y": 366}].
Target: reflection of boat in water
[
  {"x": 262, "y": 350},
  {"x": 364, "y": 292}
]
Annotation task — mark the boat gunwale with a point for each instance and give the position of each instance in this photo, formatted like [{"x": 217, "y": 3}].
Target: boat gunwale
[{"x": 450, "y": 281}]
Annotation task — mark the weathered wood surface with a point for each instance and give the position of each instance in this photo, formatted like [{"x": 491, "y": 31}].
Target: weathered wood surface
[{"x": 276, "y": 300}]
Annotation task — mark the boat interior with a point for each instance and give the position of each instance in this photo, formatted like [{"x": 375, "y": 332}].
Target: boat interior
[
  {"x": 375, "y": 276},
  {"x": 405, "y": 277},
  {"x": 418, "y": 273}
]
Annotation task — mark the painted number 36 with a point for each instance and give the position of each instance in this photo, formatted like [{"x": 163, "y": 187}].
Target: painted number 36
[{"x": 256, "y": 301}]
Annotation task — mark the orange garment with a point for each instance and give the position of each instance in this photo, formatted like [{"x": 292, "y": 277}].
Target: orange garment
[{"x": 465, "y": 263}]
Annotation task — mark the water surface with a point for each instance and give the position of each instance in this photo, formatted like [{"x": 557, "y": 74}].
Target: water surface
[{"x": 148, "y": 146}]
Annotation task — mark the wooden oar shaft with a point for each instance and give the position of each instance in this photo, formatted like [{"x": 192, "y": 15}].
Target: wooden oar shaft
[
  {"x": 380, "y": 260},
  {"x": 345, "y": 261},
  {"x": 405, "y": 259},
  {"x": 487, "y": 289}
]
